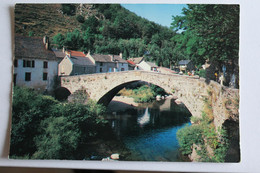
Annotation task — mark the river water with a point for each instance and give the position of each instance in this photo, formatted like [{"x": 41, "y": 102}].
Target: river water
[{"x": 149, "y": 130}]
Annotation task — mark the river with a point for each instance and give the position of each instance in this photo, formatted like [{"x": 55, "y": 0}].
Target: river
[{"x": 148, "y": 130}]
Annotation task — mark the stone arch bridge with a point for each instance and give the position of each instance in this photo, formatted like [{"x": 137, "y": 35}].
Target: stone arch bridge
[{"x": 191, "y": 90}]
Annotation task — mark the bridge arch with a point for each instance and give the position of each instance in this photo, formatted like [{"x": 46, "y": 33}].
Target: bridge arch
[
  {"x": 107, "y": 97},
  {"x": 61, "y": 93}
]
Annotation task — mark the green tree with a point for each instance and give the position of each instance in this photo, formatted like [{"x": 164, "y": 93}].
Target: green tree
[
  {"x": 58, "y": 40},
  {"x": 209, "y": 32}
]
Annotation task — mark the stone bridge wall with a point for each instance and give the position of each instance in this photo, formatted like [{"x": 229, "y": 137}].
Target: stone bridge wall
[{"x": 192, "y": 91}]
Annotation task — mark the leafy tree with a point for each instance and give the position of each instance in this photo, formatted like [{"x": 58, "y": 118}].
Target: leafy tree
[
  {"x": 58, "y": 40},
  {"x": 209, "y": 32},
  {"x": 28, "y": 109},
  {"x": 43, "y": 128}
]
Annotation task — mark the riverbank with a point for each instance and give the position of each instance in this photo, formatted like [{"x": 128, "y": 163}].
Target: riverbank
[{"x": 121, "y": 103}]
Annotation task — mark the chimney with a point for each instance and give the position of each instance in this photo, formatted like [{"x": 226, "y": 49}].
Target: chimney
[
  {"x": 45, "y": 39},
  {"x": 112, "y": 58},
  {"x": 121, "y": 55},
  {"x": 46, "y": 42},
  {"x": 46, "y": 46},
  {"x": 63, "y": 49}
]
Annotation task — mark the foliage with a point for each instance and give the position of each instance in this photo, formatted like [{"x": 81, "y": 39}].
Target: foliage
[
  {"x": 43, "y": 128},
  {"x": 202, "y": 73},
  {"x": 143, "y": 93},
  {"x": 208, "y": 32},
  {"x": 28, "y": 109},
  {"x": 121, "y": 32},
  {"x": 31, "y": 33},
  {"x": 188, "y": 136}
]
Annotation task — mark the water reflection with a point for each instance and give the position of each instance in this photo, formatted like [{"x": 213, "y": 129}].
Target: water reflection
[
  {"x": 144, "y": 119},
  {"x": 149, "y": 130}
]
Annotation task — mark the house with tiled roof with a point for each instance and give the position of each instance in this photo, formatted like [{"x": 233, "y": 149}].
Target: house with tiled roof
[
  {"x": 147, "y": 66},
  {"x": 75, "y": 63},
  {"x": 131, "y": 65},
  {"x": 186, "y": 65},
  {"x": 108, "y": 63},
  {"x": 35, "y": 65}
]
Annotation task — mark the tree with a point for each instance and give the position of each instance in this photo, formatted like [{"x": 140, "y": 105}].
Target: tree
[
  {"x": 210, "y": 32},
  {"x": 58, "y": 40}
]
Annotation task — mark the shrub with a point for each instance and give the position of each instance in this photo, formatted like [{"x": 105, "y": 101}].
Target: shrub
[
  {"x": 188, "y": 136},
  {"x": 202, "y": 73}
]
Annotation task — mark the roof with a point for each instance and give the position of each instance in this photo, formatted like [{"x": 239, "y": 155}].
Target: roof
[
  {"x": 107, "y": 58},
  {"x": 136, "y": 60},
  {"x": 76, "y": 53},
  {"x": 58, "y": 53},
  {"x": 131, "y": 62},
  {"x": 83, "y": 61},
  {"x": 152, "y": 64},
  {"x": 184, "y": 62},
  {"x": 32, "y": 47},
  {"x": 166, "y": 70}
]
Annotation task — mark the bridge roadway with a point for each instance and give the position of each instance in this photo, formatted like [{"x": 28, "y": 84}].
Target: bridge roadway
[{"x": 191, "y": 90}]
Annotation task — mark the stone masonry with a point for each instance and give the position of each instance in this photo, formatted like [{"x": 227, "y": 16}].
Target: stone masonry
[{"x": 191, "y": 90}]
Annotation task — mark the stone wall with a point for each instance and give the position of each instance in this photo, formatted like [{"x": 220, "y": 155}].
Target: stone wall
[{"x": 192, "y": 91}]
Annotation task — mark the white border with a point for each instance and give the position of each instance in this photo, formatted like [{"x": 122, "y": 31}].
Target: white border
[{"x": 249, "y": 103}]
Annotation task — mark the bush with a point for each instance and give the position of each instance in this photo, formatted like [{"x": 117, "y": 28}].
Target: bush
[
  {"x": 28, "y": 109},
  {"x": 188, "y": 136},
  {"x": 202, "y": 73}
]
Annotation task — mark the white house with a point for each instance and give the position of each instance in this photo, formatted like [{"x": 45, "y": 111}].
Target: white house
[{"x": 35, "y": 66}]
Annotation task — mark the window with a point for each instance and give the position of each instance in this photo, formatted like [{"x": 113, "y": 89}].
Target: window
[
  {"x": 45, "y": 64},
  {"x": 28, "y": 63},
  {"x": 101, "y": 64},
  {"x": 15, "y": 63},
  {"x": 122, "y": 69},
  {"x": 44, "y": 76},
  {"x": 27, "y": 76},
  {"x": 100, "y": 70}
]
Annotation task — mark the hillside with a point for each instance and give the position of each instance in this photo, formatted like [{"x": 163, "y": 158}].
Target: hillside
[{"x": 43, "y": 19}]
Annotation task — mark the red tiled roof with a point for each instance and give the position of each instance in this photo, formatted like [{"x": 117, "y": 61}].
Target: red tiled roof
[
  {"x": 130, "y": 62},
  {"x": 76, "y": 53}
]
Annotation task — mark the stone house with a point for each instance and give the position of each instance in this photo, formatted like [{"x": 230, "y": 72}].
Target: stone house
[
  {"x": 35, "y": 65},
  {"x": 75, "y": 63},
  {"x": 108, "y": 63},
  {"x": 147, "y": 66},
  {"x": 186, "y": 65}
]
